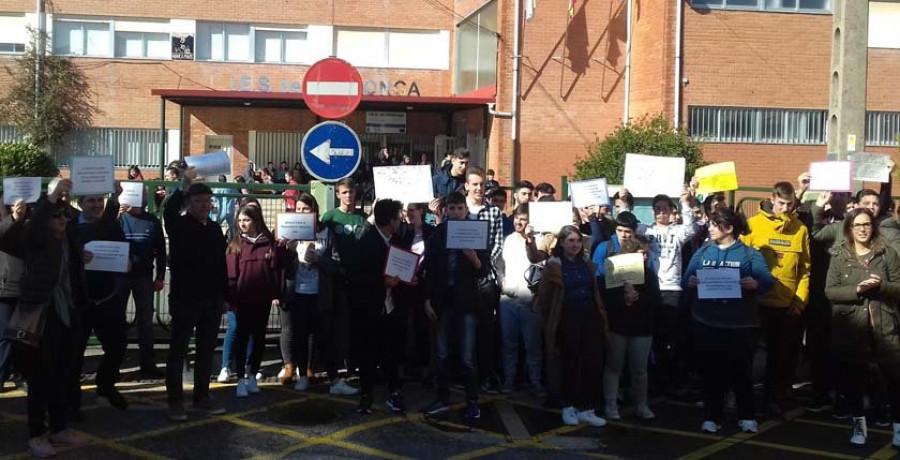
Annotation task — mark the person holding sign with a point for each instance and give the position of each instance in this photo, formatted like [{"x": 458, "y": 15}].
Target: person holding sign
[
  {"x": 630, "y": 309},
  {"x": 255, "y": 276},
  {"x": 454, "y": 303},
  {"x": 783, "y": 241},
  {"x": 725, "y": 329},
  {"x": 104, "y": 311},
  {"x": 575, "y": 327},
  {"x": 863, "y": 285}
]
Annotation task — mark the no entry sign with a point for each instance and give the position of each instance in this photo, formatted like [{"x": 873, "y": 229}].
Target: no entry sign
[{"x": 332, "y": 88}]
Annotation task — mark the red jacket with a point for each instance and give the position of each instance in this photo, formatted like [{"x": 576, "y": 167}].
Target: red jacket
[{"x": 255, "y": 276}]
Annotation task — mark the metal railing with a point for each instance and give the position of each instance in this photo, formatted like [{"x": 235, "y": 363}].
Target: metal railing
[
  {"x": 127, "y": 146},
  {"x": 757, "y": 125}
]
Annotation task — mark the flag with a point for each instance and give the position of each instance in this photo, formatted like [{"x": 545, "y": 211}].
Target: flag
[
  {"x": 572, "y": 8},
  {"x": 529, "y": 9}
]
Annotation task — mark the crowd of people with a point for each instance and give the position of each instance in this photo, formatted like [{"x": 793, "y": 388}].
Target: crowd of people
[{"x": 819, "y": 279}]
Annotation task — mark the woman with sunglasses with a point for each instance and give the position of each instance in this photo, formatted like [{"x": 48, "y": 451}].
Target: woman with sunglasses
[{"x": 863, "y": 285}]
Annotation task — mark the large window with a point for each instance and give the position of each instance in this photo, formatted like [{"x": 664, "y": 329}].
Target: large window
[
  {"x": 78, "y": 38},
  {"x": 476, "y": 50},
  {"x": 280, "y": 45},
  {"x": 13, "y": 33},
  {"x": 223, "y": 42},
  {"x": 364, "y": 48},
  {"x": 801, "y": 6},
  {"x": 143, "y": 45},
  {"x": 883, "y": 128},
  {"x": 412, "y": 49},
  {"x": 757, "y": 125}
]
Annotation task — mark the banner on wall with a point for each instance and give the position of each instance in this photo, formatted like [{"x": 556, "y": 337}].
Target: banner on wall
[{"x": 182, "y": 47}]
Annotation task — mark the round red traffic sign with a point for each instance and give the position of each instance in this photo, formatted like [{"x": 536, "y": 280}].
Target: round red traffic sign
[{"x": 332, "y": 88}]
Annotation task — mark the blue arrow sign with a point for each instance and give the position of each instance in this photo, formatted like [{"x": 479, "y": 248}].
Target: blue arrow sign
[{"x": 331, "y": 151}]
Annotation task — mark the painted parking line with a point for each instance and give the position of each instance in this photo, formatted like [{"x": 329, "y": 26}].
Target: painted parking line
[
  {"x": 802, "y": 450},
  {"x": 845, "y": 426},
  {"x": 479, "y": 453},
  {"x": 887, "y": 452}
]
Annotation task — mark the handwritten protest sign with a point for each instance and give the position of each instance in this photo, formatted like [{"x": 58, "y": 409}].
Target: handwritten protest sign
[
  {"x": 92, "y": 175},
  {"x": 592, "y": 192},
  {"x": 719, "y": 177},
  {"x": 132, "y": 194},
  {"x": 871, "y": 167},
  {"x": 402, "y": 264},
  {"x": 21, "y": 188},
  {"x": 107, "y": 256},
  {"x": 831, "y": 176},
  {"x": 647, "y": 176},
  {"x": 409, "y": 184},
  {"x": 549, "y": 216},
  {"x": 624, "y": 268}
]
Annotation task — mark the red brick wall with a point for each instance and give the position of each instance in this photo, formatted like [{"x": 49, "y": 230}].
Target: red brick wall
[{"x": 652, "y": 58}]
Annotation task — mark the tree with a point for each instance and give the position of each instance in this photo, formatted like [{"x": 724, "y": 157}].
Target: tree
[
  {"x": 25, "y": 160},
  {"x": 64, "y": 100},
  {"x": 649, "y": 136}
]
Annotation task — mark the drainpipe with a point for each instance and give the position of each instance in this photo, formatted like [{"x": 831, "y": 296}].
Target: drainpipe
[
  {"x": 495, "y": 113},
  {"x": 39, "y": 53},
  {"x": 517, "y": 62},
  {"x": 679, "y": 16},
  {"x": 626, "y": 115}
]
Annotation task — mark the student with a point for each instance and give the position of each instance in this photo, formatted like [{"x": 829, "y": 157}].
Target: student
[
  {"x": 783, "y": 241},
  {"x": 451, "y": 179},
  {"x": 630, "y": 309},
  {"x": 346, "y": 225},
  {"x": 522, "y": 192},
  {"x": 626, "y": 228},
  {"x": 863, "y": 285},
  {"x": 544, "y": 189},
  {"x": 148, "y": 274},
  {"x": 254, "y": 286},
  {"x": 454, "y": 303},
  {"x": 575, "y": 327},
  {"x": 12, "y": 268},
  {"x": 497, "y": 197},
  {"x": 517, "y": 317},
  {"x": 623, "y": 201},
  {"x": 489, "y": 182},
  {"x": 377, "y": 311},
  {"x": 198, "y": 286},
  {"x": 53, "y": 270},
  {"x": 725, "y": 330}
]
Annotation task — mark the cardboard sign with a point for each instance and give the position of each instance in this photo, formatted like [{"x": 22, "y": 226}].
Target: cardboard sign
[
  {"x": 592, "y": 192},
  {"x": 549, "y": 216},
  {"x": 92, "y": 175},
  {"x": 719, "y": 177},
  {"x": 647, "y": 176},
  {"x": 871, "y": 167},
  {"x": 132, "y": 194},
  {"x": 409, "y": 184},
  {"x": 833, "y": 176},
  {"x": 21, "y": 188}
]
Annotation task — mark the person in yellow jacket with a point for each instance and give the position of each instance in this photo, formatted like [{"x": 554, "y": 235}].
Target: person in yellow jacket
[{"x": 783, "y": 241}]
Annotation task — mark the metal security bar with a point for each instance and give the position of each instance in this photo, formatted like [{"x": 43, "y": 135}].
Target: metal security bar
[
  {"x": 10, "y": 134},
  {"x": 883, "y": 129},
  {"x": 757, "y": 125},
  {"x": 127, "y": 146}
]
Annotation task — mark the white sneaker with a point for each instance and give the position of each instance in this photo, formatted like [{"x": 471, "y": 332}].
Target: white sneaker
[
  {"x": 224, "y": 375},
  {"x": 40, "y": 447},
  {"x": 260, "y": 376},
  {"x": 710, "y": 427},
  {"x": 241, "y": 391},
  {"x": 643, "y": 412},
  {"x": 253, "y": 386},
  {"x": 860, "y": 432},
  {"x": 612, "y": 411},
  {"x": 341, "y": 388},
  {"x": 748, "y": 426},
  {"x": 592, "y": 419},
  {"x": 896, "y": 441},
  {"x": 570, "y": 416},
  {"x": 302, "y": 384}
]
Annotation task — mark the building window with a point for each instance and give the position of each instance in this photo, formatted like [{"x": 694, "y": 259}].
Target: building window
[
  {"x": 883, "y": 129},
  {"x": 364, "y": 48},
  {"x": 476, "y": 50},
  {"x": 13, "y": 33},
  {"x": 223, "y": 42},
  {"x": 412, "y": 49},
  {"x": 127, "y": 146},
  {"x": 800, "y": 6},
  {"x": 280, "y": 45},
  {"x": 75, "y": 38},
  {"x": 757, "y": 125},
  {"x": 143, "y": 45},
  {"x": 12, "y": 48}
]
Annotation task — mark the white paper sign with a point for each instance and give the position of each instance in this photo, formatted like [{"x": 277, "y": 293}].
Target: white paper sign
[
  {"x": 402, "y": 264},
  {"x": 210, "y": 164},
  {"x": 549, "y": 216},
  {"x": 719, "y": 283},
  {"x": 409, "y": 184},
  {"x": 591, "y": 192},
  {"x": 92, "y": 175},
  {"x": 108, "y": 256},
  {"x": 871, "y": 167},
  {"x": 132, "y": 194},
  {"x": 467, "y": 234},
  {"x": 831, "y": 176},
  {"x": 296, "y": 226},
  {"x": 647, "y": 176},
  {"x": 624, "y": 268},
  {"x": 21, "y": 188}
]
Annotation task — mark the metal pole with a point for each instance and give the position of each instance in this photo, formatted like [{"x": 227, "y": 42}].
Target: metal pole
[
  {"x": 39, "y": 55},
  {"x": 162, "y": 137}
]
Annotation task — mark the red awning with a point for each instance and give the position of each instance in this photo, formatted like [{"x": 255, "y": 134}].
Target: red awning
[{"x": 205, "y": 97}]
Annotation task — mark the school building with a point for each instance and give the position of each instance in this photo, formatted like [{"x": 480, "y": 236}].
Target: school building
[{"x": 526, "y": 85}]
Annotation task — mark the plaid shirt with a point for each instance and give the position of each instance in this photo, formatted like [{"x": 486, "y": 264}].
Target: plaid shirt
[{"x": 493, "y": 214}]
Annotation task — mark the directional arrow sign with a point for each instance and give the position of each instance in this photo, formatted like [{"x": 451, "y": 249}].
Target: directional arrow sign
[
  {"x": 324, "y": 152},
  {"x": 331, "y": 151}
]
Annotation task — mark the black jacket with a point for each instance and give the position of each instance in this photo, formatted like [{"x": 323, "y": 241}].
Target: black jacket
[
  {"x": 196, "y": 255},
  {"x": 463, "y": 297},
  {"x": 102, "y": 286},
  {"x": 369, "y": 279}
]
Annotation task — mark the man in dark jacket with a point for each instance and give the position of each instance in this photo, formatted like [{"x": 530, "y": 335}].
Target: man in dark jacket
[
  {"x": 104, "y": 311},
  {"x": 376, "y": 308},
  {"x": 449, "y": 180},
  {"x": 198, "y": 284}
]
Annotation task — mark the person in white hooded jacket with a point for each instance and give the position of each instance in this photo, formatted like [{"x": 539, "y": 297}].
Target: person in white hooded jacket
[{"x": 667, "y": 240}]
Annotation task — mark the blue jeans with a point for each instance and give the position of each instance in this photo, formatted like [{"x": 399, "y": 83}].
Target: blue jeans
[
  {"x": 230, "y": 337},
  {"x": 468, "y": 328},
  {"x": 518, "y": 319}
]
